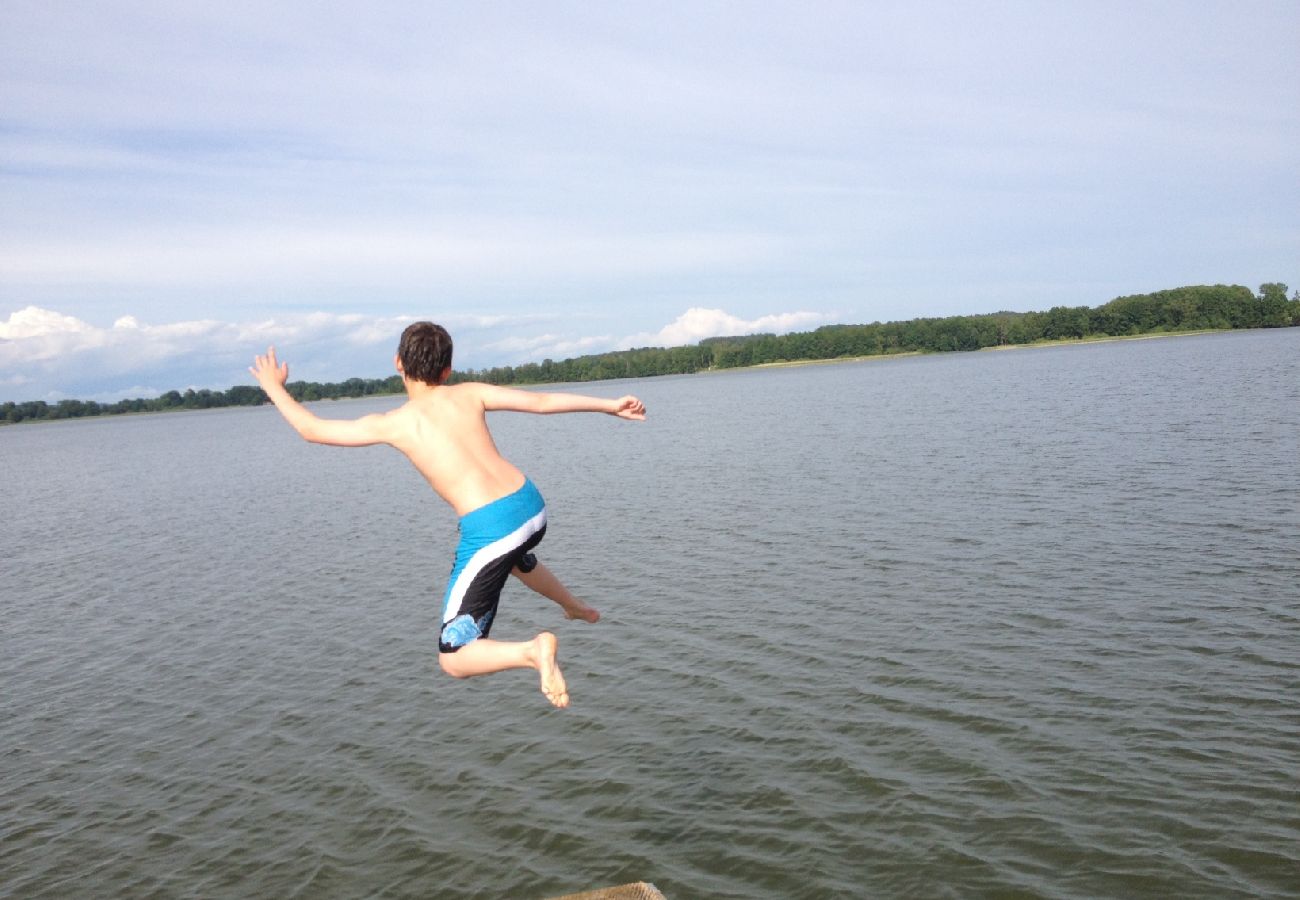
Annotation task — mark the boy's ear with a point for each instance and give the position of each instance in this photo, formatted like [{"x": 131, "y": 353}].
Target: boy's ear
[
  {"x": 397, "y": 364},
  {"x": 446, "y": 373}
]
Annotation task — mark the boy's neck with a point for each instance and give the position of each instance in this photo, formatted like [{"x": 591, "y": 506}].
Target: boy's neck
[{"x": 415, "y": 390}]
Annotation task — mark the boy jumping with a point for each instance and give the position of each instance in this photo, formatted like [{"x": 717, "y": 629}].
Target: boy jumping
[{"x": 443, "y": 431}]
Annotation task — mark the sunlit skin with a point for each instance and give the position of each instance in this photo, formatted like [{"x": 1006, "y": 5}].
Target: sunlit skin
[{"x": 442, "y": 429}]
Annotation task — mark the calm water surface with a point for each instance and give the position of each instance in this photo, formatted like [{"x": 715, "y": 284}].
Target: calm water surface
[{"x": 981, "y": 625}]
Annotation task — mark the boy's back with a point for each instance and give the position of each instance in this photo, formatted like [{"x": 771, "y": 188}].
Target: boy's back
[{"x": 444, "y": 433}]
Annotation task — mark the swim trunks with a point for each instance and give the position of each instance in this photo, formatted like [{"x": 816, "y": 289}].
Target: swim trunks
[{"x": 493, "y": 540}]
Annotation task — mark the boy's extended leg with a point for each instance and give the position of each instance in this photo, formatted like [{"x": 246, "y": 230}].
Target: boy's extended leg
[
  {"x": 485, "y": 656},
  {"x": 543, "y": 581}
]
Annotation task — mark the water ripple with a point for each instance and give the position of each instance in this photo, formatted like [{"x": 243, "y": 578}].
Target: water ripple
[{"x": 982, "y": 625}]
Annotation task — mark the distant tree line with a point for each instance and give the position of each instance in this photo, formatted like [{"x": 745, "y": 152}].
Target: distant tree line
[
  {"x": 1198, "y": 308},
  {"x": 1182, "y": 309},
  {"x": 239, "y": 395}
]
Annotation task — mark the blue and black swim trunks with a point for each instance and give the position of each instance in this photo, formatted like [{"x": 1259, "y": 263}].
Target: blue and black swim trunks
[{"x": 493, "y": 540}]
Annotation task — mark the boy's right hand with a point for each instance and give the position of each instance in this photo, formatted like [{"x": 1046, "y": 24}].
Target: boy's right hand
[{"x": 267, "y": 371}]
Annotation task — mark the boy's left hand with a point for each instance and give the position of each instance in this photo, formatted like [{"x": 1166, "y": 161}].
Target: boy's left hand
[
  {"x": 629, "y": 407},
  {"x": 267, "y": 371}
]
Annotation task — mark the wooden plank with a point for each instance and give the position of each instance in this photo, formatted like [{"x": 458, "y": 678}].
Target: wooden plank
[{"x": 640, "y": 890}]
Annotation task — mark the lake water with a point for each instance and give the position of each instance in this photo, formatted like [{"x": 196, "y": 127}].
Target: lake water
[{"x": 1001, "y": 624}]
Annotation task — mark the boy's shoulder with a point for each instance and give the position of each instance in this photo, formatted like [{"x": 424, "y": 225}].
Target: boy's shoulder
[
  {"x": 442, "y": 397},
  {"x": 463, "y": 391}
]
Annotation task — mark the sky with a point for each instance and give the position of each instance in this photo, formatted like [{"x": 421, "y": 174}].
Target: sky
[{"x": 185, "y": 183}]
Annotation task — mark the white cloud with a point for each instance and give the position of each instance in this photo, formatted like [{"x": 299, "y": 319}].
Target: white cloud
[
  {"x": 697, "y": 323},
  {"x": 690, "y": 327},
  {"x": 33, "y": 335},
  {"x": 34, "y": 322},
  {"x": 534, "y": 348},
  {"x": 50, "y": 355},
  {"x": 59, "y": 355}
]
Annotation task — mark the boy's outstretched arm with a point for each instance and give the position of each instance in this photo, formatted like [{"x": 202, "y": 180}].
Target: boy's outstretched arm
[
  {"x": 272, "y": 375},
  {"x": 514, "y": 400}
]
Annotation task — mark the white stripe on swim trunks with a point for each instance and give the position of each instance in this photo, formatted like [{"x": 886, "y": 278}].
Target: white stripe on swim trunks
[{"x": 484, "y": 556}]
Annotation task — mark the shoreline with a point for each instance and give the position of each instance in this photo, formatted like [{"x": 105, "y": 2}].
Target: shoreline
[
  {"x": 776, "y": 364},
  {"x": 1056, "y": 342}
]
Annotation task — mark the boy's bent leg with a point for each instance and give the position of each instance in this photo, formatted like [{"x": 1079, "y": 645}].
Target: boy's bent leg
[
  {"x": 543, "y": 581},
  {"x": 485, "y": 656}
]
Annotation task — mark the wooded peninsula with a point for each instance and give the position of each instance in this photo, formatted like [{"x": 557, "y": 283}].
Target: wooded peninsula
[{"x": 1185, "y": 309}]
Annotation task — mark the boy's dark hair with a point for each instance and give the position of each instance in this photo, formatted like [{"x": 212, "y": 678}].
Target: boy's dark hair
[{"x": 425, "y": 351}]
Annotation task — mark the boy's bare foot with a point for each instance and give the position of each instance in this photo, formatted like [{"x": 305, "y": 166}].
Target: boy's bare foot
[
  {"x": 553, "y": 684},
  {"x": 579, "y": 610}
]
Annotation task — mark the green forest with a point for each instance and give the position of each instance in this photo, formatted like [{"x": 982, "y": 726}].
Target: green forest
[{"x": 1196, "y": 308}]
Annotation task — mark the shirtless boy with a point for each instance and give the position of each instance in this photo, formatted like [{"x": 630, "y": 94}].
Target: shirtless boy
[{"x": 442, "y": 429}]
